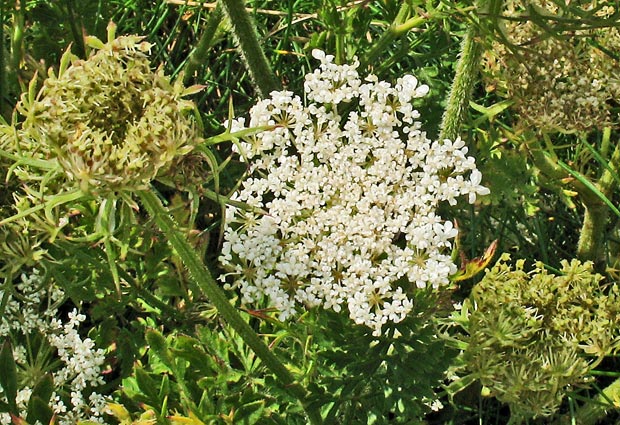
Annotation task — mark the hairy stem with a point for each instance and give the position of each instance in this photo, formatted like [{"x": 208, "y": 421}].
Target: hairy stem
[
  {"x": 203, "y": 279},
  {"x": 251, "y": 51},
  {"x": 462, "y": 86},
  {"x": 465, "y": 78}
]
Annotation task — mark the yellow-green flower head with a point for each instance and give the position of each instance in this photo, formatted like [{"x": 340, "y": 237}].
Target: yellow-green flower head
[
  {"x": 112, "y": 123},
  {"x": 532, "y": 337}
]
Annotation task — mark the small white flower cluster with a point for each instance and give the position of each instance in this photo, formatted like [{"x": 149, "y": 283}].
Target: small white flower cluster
[
  {"x": 34, "y": 310},
  {"x": 82, "y": 367},
  {"x": 343, "y": 208},
  {"x": 22, "y": 314}
]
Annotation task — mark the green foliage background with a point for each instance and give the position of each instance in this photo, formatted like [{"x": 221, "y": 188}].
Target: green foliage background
[{"x": 169, "y": 353}]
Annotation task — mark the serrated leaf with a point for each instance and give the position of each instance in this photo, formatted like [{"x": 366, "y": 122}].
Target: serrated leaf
[
  {"x": 250, "y": 412},
  {"x": 147, "y": 386},
  {"x": 157, "y": 343}
]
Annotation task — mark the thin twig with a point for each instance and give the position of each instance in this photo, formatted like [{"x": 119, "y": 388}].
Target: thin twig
[{"x": 302, "y": 16}]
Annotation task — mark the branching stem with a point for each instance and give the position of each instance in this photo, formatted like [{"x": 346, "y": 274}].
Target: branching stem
[{"x": 591, "y": 244}]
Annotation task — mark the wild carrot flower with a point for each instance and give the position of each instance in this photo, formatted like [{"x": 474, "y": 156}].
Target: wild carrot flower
[
  {"x": 561, "y": 77},
  {"x": 112, "y": 123},
  {"x": 532, "y": 337},
  {"x": 343, "y": 196}
]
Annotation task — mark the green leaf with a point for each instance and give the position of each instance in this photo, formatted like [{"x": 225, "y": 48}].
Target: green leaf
[
  {"x": 39, "y": 411},
  {"x": 491, "y": 111},
  {"x": 94, "y": 42},
  {"x": 196, "y": 88},
  {"x": 605, "y": 163},
  {"x": 147, "y": 386},
  {"x": 250, "y": 412},
  {"x": 8, "y": 377},
  {"x": 205, "y": 283},
  {"x": 158, "y": 345},
  {"x": 44, "y": 388},
  {"x": 164, "y": 388}
]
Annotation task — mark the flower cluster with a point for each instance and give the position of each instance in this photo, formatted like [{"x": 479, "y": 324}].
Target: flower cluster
[
  {"x": 30, "y": 321},
  {"x": 531, "y": 337},
  {"x": 565, "y": 81},
  {"x": 342, "y": 198},
  {"x": 112, "y": 123}
]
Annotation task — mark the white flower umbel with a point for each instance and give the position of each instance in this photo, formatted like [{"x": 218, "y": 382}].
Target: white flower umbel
[
  {"x": 344, "y": 194},
  {"x": 31, "y": 311}
]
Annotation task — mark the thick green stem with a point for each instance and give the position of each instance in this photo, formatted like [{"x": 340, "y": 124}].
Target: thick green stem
[
  {"x": 464, "y": 80},
  {"x": 591, "y": 246},
  {"x": 251, "y": 51},
  {"x": 198, "y": 57},
  {"x": 203, "y": 279},
  {"x": 553, "y": 173},
  {"x": 592, "y": 237}
]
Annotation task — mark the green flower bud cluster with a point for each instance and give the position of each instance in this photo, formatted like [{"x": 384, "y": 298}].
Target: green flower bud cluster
[
  {"x": 534, "y": 336},
  {"x": 112, "y": 123},
  {"x": 557, "y": 64}
]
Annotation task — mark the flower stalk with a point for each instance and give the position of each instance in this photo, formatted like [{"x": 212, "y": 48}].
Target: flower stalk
[
  {"x": 205, "y": 282},
  {"x": 251, "y": 51}
]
